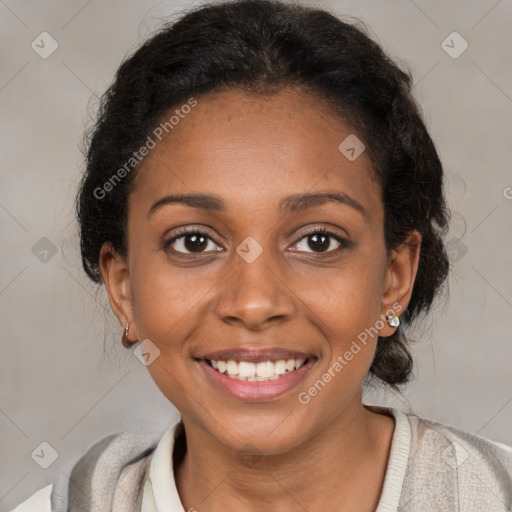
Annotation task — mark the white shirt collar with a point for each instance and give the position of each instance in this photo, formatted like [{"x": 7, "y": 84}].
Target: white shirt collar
[{"x": 161, "y": 495}]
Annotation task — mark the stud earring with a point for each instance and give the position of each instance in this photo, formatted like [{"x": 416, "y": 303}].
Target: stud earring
[{"x": 393, "y": 320}]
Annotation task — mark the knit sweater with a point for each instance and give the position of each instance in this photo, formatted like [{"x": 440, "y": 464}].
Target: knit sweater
[{"x": 432, "y": 467}]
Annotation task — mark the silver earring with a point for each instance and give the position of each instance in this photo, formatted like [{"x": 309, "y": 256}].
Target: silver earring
[{"x": 393, "y": 320}]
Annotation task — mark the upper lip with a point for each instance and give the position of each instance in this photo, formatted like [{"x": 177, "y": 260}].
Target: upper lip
[{"x": 254, "y": 355}]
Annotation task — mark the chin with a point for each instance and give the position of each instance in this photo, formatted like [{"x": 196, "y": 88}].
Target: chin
[{"x": 258, "y": 434}]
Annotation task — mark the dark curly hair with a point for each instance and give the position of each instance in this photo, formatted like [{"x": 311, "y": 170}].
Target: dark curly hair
[{"x": 259, "y": 46}]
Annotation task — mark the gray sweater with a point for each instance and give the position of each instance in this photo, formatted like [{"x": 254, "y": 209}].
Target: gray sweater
[{"x": 432, "y": 467}]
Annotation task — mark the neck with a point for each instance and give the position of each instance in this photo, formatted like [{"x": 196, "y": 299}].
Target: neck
[{"x": 347, "y": 460}]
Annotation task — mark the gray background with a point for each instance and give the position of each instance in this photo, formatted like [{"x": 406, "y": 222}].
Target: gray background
[{"x": 65, "y": 378}]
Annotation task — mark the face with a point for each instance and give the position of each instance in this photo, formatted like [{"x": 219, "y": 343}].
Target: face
[{"x": 275, "y": 271}]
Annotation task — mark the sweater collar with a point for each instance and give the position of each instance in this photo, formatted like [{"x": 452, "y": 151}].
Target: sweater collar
[{"x": 160, "y": 493}]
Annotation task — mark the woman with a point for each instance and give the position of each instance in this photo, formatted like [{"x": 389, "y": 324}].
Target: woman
[{"x": 265, "y": 207}]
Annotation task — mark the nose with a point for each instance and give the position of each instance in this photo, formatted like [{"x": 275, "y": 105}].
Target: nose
[{"x": 255, "y": 295}]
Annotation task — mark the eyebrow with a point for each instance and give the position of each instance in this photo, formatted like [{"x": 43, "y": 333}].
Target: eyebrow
[{"x": 290, "y": 204}]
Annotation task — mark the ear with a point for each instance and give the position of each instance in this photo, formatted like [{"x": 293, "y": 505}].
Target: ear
[
  {"x": 114, "y": 271},
  {"x": 399, "y": 279}
]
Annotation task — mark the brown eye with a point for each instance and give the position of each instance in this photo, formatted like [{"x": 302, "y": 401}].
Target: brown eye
[
  {"x": 320, "y": 241},
  {"x": 190, "y": 242}
]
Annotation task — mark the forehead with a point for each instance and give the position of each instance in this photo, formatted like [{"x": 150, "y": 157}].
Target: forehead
[{"x": 253, "y": 149}]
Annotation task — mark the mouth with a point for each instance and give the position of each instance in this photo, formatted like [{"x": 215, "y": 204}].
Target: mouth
[{"x": 256, "y": 374}]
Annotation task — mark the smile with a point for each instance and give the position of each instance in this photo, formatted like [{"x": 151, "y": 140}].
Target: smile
[{"x": 256, "y": 372}]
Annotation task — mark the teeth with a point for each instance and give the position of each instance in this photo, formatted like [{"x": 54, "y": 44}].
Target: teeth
[
  {"x": 232, "y": 368},
  {"x": 279, "y": 367},
  {"x": 246, "y": 369},
  {"x": 265, "y": 369},
  {"x": 257, "y": 372}
]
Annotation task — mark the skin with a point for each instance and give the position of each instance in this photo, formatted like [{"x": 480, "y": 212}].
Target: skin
[{"x": 275, "y": 454}]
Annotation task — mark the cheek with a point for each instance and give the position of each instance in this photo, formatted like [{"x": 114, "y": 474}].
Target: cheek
[
  {"x": 165, "y": 298},
  {"x": 349, "y": 315},
  {"x": 349, "y": 305},
  {"x": 165, "y": 310},
  {"x": 165, "y": 315},
  {"x": 350, "y": 298}
]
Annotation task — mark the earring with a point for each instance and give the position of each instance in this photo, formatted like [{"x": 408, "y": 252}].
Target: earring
[
  {"x": 124, "y": 340},
  {"x": 393, "y": 320}
]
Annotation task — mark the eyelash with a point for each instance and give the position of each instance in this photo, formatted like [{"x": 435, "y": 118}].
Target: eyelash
[{"x": 344, "y": 244}]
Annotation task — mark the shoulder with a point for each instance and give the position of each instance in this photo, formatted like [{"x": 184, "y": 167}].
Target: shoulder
[
  {"x": 460, "y": 445},
  {"x": 459, "y": 468},
  {"x": 38, "y": 502},
  {"x": 96, "y": 477},
  {"x": 111, "y": 470}
]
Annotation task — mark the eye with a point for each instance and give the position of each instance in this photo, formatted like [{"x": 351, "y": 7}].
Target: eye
[
  {"x": 196, "y": 241},
  {"x": 190, "y": 241},
  {"x": 320, "y": 241}
]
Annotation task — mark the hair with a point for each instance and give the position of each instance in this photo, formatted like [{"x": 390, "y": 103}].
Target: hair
[{"x": 260, "y": 46}]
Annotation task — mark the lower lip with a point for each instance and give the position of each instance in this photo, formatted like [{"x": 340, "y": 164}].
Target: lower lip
[{"x": 254, "y": 391}]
